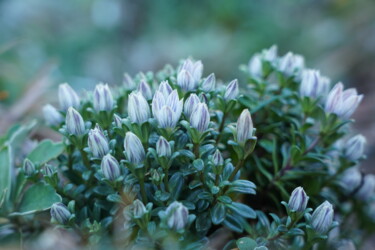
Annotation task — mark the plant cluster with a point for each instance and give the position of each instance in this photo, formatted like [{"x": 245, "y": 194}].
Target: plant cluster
[{"x": 175, "y": 160}]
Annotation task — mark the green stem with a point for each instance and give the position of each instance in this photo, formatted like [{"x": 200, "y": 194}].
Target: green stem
[
  {"x": 221, "y": 128},
  {"x": 166, "y": 186},
  {"x": 85, "y": 159},
  {"x": 143, "y": 190},
  {"x": 237, "y": 168},
  {"x": 196, "y": 150}
]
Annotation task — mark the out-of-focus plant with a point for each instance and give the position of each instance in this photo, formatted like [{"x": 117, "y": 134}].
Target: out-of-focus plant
[{"x": 168, "y": 159}]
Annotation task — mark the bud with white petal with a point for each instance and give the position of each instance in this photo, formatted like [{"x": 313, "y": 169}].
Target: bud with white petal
[
  {"x": 139, "y": 209},
  {"x": 291, "y": 63},
  {"x": 134, "y": 150},
  {"x": 165, "y": 88},
  {"x": 145, "y": 89},
  {"x": 322, "y": 218},
  {"x": 28, "y": 167},
  {"x": 103, "y": 100},
  {"x": 270, "y": 55},
  {"x": 163, "y": 148},
  {"x": 186, "y": 81},
  {"x": 217, "y": 158},
  {"x": 350, "y": 179},
  {"x": 74, "y": 122},
  {"x": 190, "y": 104},
  {"x": 194, "y": 68},
  {"x": 167, "y": 109},
  {"x": 255, "y": 66},
  {"x": 60, "y": 213},
  {"x": 244, "y": 127},
  {"x": 117, "y": 120},
  {"x": 128, "y": 82},
  {"x": 110, "y": 167},
  {"x": 355, "y": 147},
  {"x": 138, "y": 108},
  {"x": 177, "y": 216},
  {"x": 48, "y": 171},
  {"x": 98, "y": 143},
  {"x": 52, "y": 116},
  {"x": 200, "y": 118},
  {"x": 367, "y": 189},
  {"x": 313, "y": 84},
  {"x": 209, "y": 83},
  {"x": 298, "y": 200},
  {"x": 231, "y": 92},
  {"x": 67, "y": 97}
]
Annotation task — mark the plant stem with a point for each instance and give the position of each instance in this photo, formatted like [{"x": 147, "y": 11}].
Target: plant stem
[
  {"x": 143, "y": 190},
  {"x": 237, "y": 168},
  {"x": 166, "y": 186},
  {"x": 196, "y": 150},
  {"x": 221, "y": 128}
]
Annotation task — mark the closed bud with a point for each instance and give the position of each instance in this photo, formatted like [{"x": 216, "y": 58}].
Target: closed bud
[
  {"x": 163, "y": 148},
  {"x": 200, "y": 118},
  {"x": 117, "y": 120},
  {"x": 367, "y": 189},
  {"x": 355, "y": 147},
  {"x": 270, "y": 55},
  {"x": 138, "y": 108},
  {"x": 298, "y": 200},
  {"x": 74, "y": 122},
  {"x": 145, "y": 89},
  {"x": 139, "y": 209},
  {"x": 313, "y": 84},
  {"x": 209, "y": 83},
  {"x": 110, "y": 167},
  {"x": 231, "y": 92},
  {"x": 155, "y": 177},
  {"x": 185, "y": 81},
  {"x": 217, "y": 158},
  {"x": 244, "y": 127},
  {"x": 128, "y": 82},
  {"x": 103, "y": 100},
  {"x": 350, "y": 179},
  {"x": 67, "y": 97},
  {"x": 167, "y": 109},
  {"x": 190, "y": 104},
  {"x": 322, "y": 218},
  {"x": 48, "y": 171},
  {"x": 60, "y": 213},
  {"x": 177, "y": 216},
  {"x": 98, "y": 143},
  {"x": 52, "y": 116},
  {"x": 28, "y": 167},
  {"x": 134, "y": 150},
  {"x": 194, "y": 68},
  {"x": 255, "y": 66},
  {"x": 290, "y": 64},
  {"x": 165, "y": 88}
]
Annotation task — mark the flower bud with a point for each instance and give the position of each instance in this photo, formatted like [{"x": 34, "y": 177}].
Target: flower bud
[
  {"x": 194, "y": 68},
  {"x": 231, "y": 92},
  {"x": 270, "y": 55},
  {"x": 110, "y": 167},
  {"x": 103, "y": 100},
  {"x": 163, "y": 148},
  {"x": 60, "y": 213},
  {"x": 128, "y": 82},
  {"x": 117, "y": 120},
  {"x": 313, "y": 84},
  {"x": 48, "y": 171},
  {"x": 145, "y": 89},
  {"x": 167, "y": 109},
  {"x": 355, "y": 147},
  {"x": 200, "y": 118},
  {"x": 350, "y": 179},
  {"x": 255, "y": 66},
  {"x": 290, "y": 64},
  {"x": 139, "y": 209},
  {"x": 209, "y": 83},
  {"x": 217, "y": 158},
  {"x": 367, "y": 189},
  {"x": 52, "y": 116},
  {"x": 244, "y": 127},
  {"x": 190, "y": 104},
  {"x": 138, "y": 108},
  {"x": 134, "y": 150},
  {"x": 298, "y": 200},
  {"x": 322, "y": 218},
  {"x": 28, "y": 167},
  {"x": 67, "y": 97},
  {"x": 185, "y": 81},
  {"x": 155, "y": 177},
  {"x": 98, "y": 143},
  {"x": 74, "y": 122},
  {"x": 177, "y": 216},
  {"x": 165, "y": 88}
]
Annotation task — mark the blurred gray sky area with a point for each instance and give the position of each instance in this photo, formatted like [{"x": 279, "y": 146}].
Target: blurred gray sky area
[{"x": 87, "y": 41}]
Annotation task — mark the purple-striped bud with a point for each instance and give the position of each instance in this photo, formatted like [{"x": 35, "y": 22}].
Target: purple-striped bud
[
  {"x": 244, "y": 127},
  {"x": 60, "y": 213},
  {"x": 134, "y": 150},
  {"x": 194, "y": 68},
  {"x": 367, "y": 189},
  {"x": 355, "y": 147},
  {"x": 313, "y": 84},
  {"x": 138, "y": 209},
  {"x": 52, "y": 116},
  {"x": 167, "y": 109},
  {"x": 231, "y": 92},
  {"x": 322, "y": 218},
  {"x": 48, "y": 170},
  {"x": 186, "y": 81},
  {"x": 163, "y": 148},
  {"x": 145, "y": 89},
  {"x": 98, "y": 143},
  {"x": 110, "y": 167},
  {"x": 190, "y": 104},
  {"x": 291, "y": 64},
  {"x": 298, "y": 200},
  {"x": 350, "y": 179},
  {"x": 67, "y": 97},
  {"x": 117, "y": 120},
  {"x": 128, "y": 82},
  {"x": 177, "y": 216},
  {"x": 209, "y": 83},
  {"x": 255, "y": 66},
  {"x": 28, "y": 167},
  {"x": 165, "y": 88},
  {"x": 103, "y": 100},
  {"x": 138, "y": 108},
  {"x": 74, "y": 122},
  {"x": 217, "y": 158},
  {"x": 200, "y": 118}
]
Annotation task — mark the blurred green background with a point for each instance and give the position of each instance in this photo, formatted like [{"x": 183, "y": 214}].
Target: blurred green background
[{"x": 44, "y": 43}]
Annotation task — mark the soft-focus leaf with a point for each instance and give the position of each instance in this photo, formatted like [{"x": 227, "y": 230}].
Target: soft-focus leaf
[{"x": 46, "y": 151}]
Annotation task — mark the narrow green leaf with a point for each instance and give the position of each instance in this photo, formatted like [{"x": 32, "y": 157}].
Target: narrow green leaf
[{"x": 5, "y": 173}]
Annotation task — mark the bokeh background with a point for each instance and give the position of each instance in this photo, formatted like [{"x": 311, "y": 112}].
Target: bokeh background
[{"x": 44, "y": 43}]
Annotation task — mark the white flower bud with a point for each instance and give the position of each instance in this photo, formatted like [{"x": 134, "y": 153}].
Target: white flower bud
[
  {"x": 177, "y": 216},
  {"x": 291, "y": 64},
  {"x": 128, "y": 82},
  {"x": 355, "y": 147},
  {"x": 110, "y": 167},
  {"x": 270, "y": 55},
  {"x": 231, "y": 92},
  {"x": 163, "y": 148},
  {"x": 194, "y": 68},
  {"x": 190, "y": 104},
  {"x": 103, "y": 100},
  {"x": 313, "y": 84},
  {"x": 367, "y": 189},
  {"x": 217, "y": 158},
  {"x": 244, "y": 127},
  {"x": 209, "y": 83},
  {"x": 74, "y": 122},
  {"x": 28, "y": 167},
  {"x": 165, "y": 88},
  {"x": 167, "y": 110},
  {"x": 67, "y": 97},
  {"x": 138, "y": 209},
  {"x": 185, "y": 80},
  {"x": 60, "y": 213},
  {"x": 298, "y": 200},
  {"x": 350, "y": 179},
  {"x": 117, "y": 120},
  {"x": 134, "y": 150},
  {"x": 98, "y": 143},
  {"x": 255, "y": 66},
  {"x": 52, "y": 116},
  {"x": 200, "y": 118},
  {"x": 322, "y": 218},
  {"x": 145, "y": 89},
  {"x": 138, "y": 108}
]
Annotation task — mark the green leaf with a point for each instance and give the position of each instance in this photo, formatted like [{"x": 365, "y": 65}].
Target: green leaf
[
  {"x": 5, "y": 173},
  {"x": 38, "y": 197},
  {"x": 242, "y": 209},
  {"x": 246, "y": 243},
  {"x": 46, "y": 151},
  {"x": 218, "y": 213}
]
